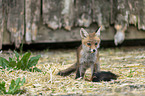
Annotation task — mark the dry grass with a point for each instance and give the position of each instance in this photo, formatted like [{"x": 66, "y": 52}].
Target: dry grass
[{"x": 129, "y": 64}]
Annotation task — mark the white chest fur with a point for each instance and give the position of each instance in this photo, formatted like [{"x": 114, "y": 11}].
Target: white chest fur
[{"x": 88, "y": 58}]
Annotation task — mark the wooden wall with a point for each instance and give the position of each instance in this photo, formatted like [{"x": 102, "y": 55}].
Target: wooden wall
[{"x": 38, "y": 21}]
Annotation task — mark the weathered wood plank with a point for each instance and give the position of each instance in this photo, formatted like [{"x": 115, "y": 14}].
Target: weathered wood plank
[
  {"x": 133, "y": 12},
  {"x": 36, "y": 7},
  {"x": 83, "y": 13},
  {"x": 121, "y": 21},
  {"x": 141, "y": 18},
  {"x": 6, "y": 34},
  {"x": 1, "y": 24},
  {"x": 28, "y": 20},
  {"x": 66, "y": 17},
  {"x": 133, "y": 33},
  {"x": 52, "y": 13},
  {"x": 123, "y": 13},
  {"x": 32, "y": 15},
  {"x": 15, "y": 21},
  {"x": 129, "y": 12},
  {"x": 68, "y": 14},
  {"x": 62, "y": 35},
  {"x": 101, "y": 12}
]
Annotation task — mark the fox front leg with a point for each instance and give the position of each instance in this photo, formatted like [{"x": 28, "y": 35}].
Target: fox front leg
[
  {"x": 81, "y": 71},
  {"x": 97, "y": 67},
  {"x": 94, "y": 68},
  {"x": 77, "y": 73}
]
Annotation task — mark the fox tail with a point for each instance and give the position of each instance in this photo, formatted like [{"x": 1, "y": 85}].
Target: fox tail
[{"x": 67, "y": 71}]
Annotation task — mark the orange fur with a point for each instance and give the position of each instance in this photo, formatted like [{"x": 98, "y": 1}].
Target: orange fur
[{"x": 87, "y": 55}]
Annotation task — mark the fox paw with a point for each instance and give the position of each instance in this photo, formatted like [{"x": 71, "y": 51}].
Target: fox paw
[
  {"x": 61, "y": 73},
  {"x": 80, "y": 78}
]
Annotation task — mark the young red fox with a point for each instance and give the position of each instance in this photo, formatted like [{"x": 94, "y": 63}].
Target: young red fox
[{"x": 87, "y": 55}]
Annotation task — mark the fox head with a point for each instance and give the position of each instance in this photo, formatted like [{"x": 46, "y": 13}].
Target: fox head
[{"x": 90, "y": 41}]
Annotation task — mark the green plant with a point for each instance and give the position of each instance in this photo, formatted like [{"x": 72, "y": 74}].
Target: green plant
[
  {"x": 14, "y": 87},
  {"x": 25, "y": 63}
]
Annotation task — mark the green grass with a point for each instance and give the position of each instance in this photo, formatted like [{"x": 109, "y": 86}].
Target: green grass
[{"x": 127, "y": 63}]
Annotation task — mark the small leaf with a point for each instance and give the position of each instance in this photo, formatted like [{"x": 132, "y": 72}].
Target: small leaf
[
  {"x": 10, "y": 59},
  {"x": 13, "y": 89},
  {"x": 0, "y": 92},
  {"x": 23, "y": 63},
  {"x": 2, "y": 87},
  {"x": 12, "y": 85},
  {"x": 15, "y": 86},
  {"x": 3, "y": 62},
  {"x": 12, "y": 64},
  {"x": 19, "y": 65},
  {"x": 23, "y": 81},
  {"x": 33, "y": 61},
  {"x": 35, "y": 69},
  {"x": 17, "y": 55}
]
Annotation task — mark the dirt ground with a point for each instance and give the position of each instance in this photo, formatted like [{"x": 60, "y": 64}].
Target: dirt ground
[{"x": 127, "y": 62}]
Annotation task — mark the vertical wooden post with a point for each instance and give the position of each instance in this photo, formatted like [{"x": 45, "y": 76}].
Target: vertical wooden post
[
  {"x": 32, "y": 17},
  {"x": 141, "y": 14},
  {"x": 68, "y": 14},
  {"x": 1, "y": 24},
  {"x": 83, "y": 13},
  {"x": 15, "y": 21},
  {"x": 52, "y": 13},
  {"x": 102, "y": 12}
]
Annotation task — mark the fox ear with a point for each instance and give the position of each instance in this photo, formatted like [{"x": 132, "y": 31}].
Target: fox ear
[
  {"x": 98, "y": 32},
  {"x": 83, "y": 33}
]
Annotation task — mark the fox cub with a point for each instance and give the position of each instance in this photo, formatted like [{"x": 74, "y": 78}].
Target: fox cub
[{"x": 87, "y": 55}]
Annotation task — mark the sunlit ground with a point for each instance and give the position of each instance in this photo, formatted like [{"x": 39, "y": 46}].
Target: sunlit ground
[{"x": 128, "y": 63}]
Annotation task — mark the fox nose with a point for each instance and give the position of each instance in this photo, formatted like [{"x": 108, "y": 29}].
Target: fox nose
[{"x": 94, "y": 50}]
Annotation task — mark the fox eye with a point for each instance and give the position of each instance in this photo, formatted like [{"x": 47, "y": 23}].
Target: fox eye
[
  {"x": 96, "y": 43},
  {"x": 89, "y": 44}
]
